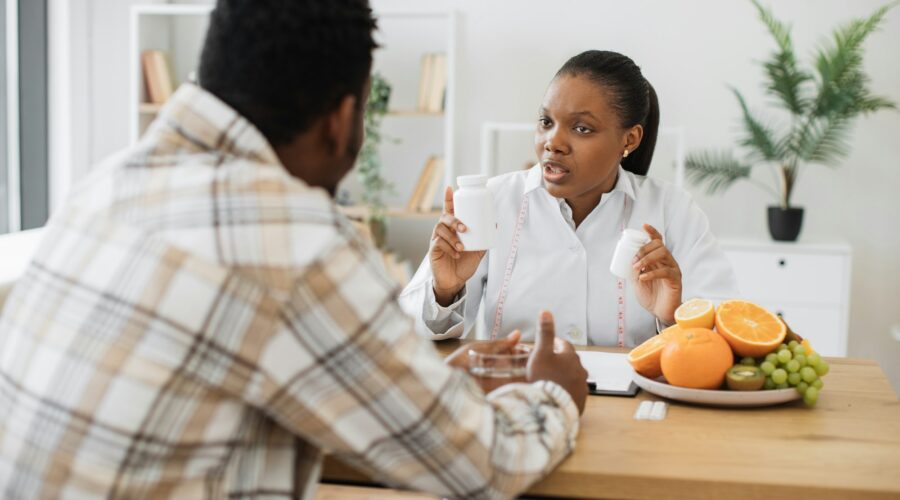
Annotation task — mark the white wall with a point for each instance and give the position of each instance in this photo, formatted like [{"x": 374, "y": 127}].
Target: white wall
[{"x": 690, "y": 50}]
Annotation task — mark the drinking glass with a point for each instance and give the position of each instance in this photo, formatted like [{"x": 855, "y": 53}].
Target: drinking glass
[{"x": 494, "y": 370}]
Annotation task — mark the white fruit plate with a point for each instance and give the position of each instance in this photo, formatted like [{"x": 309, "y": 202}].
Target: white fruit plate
[{"x": 716, "y": 398}]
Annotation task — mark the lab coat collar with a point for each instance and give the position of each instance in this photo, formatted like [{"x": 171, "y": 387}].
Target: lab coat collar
[
  {"x": 625, "y": 183},
  {"x": 535, "y": 180}
]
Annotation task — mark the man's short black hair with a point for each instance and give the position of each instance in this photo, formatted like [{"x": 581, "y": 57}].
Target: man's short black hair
[{"x": 284, "y": 63}]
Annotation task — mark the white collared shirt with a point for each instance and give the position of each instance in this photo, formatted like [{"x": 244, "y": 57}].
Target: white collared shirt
[{"x": 565, "y": 269}]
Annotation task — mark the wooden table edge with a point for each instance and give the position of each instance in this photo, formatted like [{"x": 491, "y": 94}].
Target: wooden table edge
[{"x": 575, "y": 485}]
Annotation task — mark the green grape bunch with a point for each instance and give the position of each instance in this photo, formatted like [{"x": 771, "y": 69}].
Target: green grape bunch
[{"x": 791, "y": 366}]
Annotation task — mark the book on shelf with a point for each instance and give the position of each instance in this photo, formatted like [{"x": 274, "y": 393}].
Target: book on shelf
[
  {"x": 436, "y": 180},
  {"x": 438, "y": 84},
  {"x": 424, "y": 82},
  {"x": 415, "y": 199},
  {"x": 430, "y": 180},
  {"x": 157, "y": 76},
  {"x": 432, "y": 83}
]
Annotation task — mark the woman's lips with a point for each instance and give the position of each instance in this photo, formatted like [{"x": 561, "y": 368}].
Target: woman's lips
[{"x": 554, "y": 172}]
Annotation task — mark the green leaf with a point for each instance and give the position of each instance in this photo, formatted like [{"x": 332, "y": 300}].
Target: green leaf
[
  {"x": 758, "y": 137},
  {"x": 718, "y": 170},
  {"x": 779, "y": 30},
  {"x": 870, "y": 104},
  {"x": 368, "y": 165},
  {"x": 824, "y": 141},
  {"x": 785, "y": 79},
  {"x": 841, "y": 83}
]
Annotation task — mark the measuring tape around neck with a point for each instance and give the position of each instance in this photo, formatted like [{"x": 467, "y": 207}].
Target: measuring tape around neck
[
  {"x": 511, "y": 260},
  {"x": 620, "y": 283}
]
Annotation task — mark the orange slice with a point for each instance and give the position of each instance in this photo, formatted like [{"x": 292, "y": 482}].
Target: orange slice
[
  {"x": 696, "y": 313},
  {"x": 751, "y": 330},
  {"x": 645, "y": 357}
]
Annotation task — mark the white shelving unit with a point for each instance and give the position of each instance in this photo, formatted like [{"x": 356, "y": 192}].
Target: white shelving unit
[
  {"x": 177, "y": 29},
  {"x": 404, "y": 36}
]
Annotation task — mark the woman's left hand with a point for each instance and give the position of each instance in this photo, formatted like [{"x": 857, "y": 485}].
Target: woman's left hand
[{"x": 658, "y": 286}]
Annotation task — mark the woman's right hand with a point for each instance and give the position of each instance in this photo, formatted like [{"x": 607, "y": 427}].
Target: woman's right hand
[{"x": 451, "y": 265}]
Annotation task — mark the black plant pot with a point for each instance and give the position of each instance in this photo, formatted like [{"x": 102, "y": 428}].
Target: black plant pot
[{"x": 785, "y": 224}]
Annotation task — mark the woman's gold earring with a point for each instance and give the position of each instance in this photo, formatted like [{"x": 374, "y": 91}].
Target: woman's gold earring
[{"x": 625, "y": 154}]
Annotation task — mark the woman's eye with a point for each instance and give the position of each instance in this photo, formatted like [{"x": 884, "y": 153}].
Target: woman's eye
[
  {"x": 582, "y": 130},
  {"x": 544, "y": 122}
]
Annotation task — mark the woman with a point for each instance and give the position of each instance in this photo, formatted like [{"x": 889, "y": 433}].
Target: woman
[{"x": 559, "y": 223}]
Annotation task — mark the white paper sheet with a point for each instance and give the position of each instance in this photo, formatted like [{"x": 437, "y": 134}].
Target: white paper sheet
[{"x": 609, "y": 371}]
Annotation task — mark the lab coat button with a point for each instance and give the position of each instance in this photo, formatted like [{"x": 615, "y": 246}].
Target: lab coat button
[{"x": 575, "y": 333}]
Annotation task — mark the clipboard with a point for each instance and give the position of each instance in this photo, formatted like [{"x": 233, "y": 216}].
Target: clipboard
[
  {"x": 609, "y": 374},
  {"x": 627, "y": 393}
]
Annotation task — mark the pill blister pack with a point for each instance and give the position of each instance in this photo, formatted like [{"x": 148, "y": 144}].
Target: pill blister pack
[{"x": 651, "y": 410}]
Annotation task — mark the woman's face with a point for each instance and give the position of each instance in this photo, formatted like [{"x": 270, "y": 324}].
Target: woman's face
[{"x": 579, "y": 140}]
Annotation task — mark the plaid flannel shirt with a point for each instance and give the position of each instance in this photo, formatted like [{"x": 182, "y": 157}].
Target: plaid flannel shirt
[{"x": 199, "y": 324}]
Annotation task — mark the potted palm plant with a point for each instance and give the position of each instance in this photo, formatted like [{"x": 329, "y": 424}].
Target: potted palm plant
[
  {"x": 822, "y": 103},
  {"x": 368, "y": 166}
]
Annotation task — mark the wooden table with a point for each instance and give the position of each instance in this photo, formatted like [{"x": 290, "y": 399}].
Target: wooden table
[{"x": 847, "y": 446}]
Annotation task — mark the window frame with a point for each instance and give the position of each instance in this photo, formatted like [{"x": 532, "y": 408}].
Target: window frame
[{"x": 25, "y": 122}]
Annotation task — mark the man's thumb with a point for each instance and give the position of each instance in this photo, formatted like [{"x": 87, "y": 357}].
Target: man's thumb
[{"x": 546, "y": 332}]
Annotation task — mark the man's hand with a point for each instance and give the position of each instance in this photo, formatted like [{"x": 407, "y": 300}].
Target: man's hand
[{"x": 555, "y": 360}]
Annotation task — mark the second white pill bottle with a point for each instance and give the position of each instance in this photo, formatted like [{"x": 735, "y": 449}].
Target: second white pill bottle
[
  {"x": 622, "y": 264},
  {"x": 473, "y": 206}
]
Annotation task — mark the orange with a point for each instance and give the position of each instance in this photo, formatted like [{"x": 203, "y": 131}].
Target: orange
[
  {"x": 697, "y": 358},
  {"x": 792, "y": 335},
  {"x": 806, "y": 345},
  {"x": 696, "y": 313},
  {"x": 751, "y": 330},
  {"x": 645, "y": 357}
]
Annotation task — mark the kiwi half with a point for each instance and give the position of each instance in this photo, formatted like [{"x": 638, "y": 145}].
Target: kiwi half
[{"x": 745, "y": 378}]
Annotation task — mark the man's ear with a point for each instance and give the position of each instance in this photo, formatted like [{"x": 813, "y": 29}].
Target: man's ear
[{"x": 339, "y": 125}]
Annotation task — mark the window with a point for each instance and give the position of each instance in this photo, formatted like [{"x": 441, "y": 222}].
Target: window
[
  {"x": 23, "y": 114},
  {"x": 4, "y": 113}
]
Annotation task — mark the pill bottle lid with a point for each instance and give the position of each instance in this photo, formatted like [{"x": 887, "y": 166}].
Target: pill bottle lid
[
  {"x": 471, "y": 180},
  {"x": 636, "y": 236}
]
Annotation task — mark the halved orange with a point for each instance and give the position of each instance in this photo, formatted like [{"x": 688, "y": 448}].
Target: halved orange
[
  {"x": 751, "y": 330},
  {"x": 696, "y": 313},
  {"x": 645, "y": 357}
]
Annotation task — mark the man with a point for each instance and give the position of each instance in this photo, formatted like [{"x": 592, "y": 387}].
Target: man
[{"x": 200, "y": 322}]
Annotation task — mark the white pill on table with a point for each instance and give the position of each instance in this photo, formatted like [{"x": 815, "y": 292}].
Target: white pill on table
[
  {"x": 643, "y": 410},
  {"x": 658, "y": 411}
]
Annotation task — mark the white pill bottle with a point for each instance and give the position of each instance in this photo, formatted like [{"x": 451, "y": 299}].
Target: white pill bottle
[
  {"x": 473, "y": 206},
  {"x": 622, "y": 264}
]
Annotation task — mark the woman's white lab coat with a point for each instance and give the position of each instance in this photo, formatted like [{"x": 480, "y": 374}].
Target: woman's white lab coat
[{"x": 566, "y": 270}]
